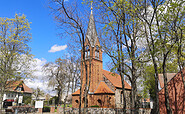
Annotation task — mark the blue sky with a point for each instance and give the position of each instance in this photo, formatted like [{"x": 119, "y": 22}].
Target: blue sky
[
  {"x": 43, "y": 27},
  {"x": 44, "y": 34}
]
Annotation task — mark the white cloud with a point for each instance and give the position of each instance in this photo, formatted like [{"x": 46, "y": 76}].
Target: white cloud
[
  {"x": 43, "y": 85},
  {"x": 39, "y": 79},
  {"x": 36, "y": 67},
  {"x": 56, "y": 48}
]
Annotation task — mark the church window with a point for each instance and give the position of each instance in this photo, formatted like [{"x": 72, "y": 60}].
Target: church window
[
  {"x": 87, "y": 52},
  {"x": 99, "y": 101},
  {"x": 97, "y": 52},
  {"x": 76, "y": 101},
  {"x": 121, "y": 97}
]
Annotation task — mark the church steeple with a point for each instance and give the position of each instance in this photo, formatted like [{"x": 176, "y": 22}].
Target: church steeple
[
  {"x": 93, "y": 56},
  {"x": 92, "y": 42},
  {"x": 91, "y": 33}
]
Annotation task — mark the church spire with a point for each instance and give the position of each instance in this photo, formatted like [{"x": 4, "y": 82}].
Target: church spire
[{"x": 91, "y": 33}]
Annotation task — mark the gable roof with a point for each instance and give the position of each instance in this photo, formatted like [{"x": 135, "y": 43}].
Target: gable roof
[
  {"x": 115, "y": 79},
  {"x": 27, "y": 89},
  {"x": 12, "y": 85},
  {"x": 103, "y": 89},
  {"x": 169, "y": 77},
  {"x": 76, "y": 92}
]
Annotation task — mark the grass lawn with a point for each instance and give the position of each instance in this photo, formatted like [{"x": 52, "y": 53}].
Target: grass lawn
[{"x": 67, "y": 105}]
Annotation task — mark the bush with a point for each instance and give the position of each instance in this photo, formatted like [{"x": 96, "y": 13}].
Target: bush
[
  {"x": 51, "y": 100},
  {"x": 27, "y": 100},
  {"x": 95, "y": 106},
  {"x": 46, "y": 109}
]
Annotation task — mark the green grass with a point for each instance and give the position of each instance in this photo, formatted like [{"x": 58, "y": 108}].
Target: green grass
[
  {"x": 95, "y": 106},
  {"x": 70, "y": 105}
]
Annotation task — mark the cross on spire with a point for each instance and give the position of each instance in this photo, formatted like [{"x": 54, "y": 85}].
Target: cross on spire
[{"x": 91, "y": 7}]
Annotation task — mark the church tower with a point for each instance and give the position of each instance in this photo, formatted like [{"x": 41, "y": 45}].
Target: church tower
[
  {"x": 105, "y": 87},
  {"x": 93, "y": 56}
]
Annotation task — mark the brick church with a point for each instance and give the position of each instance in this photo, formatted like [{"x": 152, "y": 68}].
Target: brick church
[{"x": 105, "y": 87}]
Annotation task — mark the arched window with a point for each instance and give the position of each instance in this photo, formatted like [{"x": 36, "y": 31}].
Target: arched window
[
  {"x": 87, "y": 52},
  {"x": 99, "y": 101},
  {"x": 121, "y": 97},
  {"x": 76, "y": 101},
  {"x": 97, "y": 52}
]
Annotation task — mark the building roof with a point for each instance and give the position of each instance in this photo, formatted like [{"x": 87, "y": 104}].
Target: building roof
[
  {"x": 103, "y": 89},
  {"x": 169, "y": 77},
  {"x": 27, "y": 89},
  {"x": 12, "y": 86},
  {"x": 115, "y": 79},
  {"x": 91, "y": 33},
  {"x": 76, "y": 92}
]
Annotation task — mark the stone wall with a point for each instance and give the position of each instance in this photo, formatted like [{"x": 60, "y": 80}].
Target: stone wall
[
  {"x": 105, "y": 111},
  {"x": 119, "y": 101}
]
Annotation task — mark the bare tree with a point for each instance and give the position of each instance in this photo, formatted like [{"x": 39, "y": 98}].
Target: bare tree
[
  {"x": 64, "y": 76},
  {"x": 71, "y": 16},
  {"x": 57, "y": 75}
]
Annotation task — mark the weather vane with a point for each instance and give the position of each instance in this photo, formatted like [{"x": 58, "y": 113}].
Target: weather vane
[{"x": 91, "y": 6}]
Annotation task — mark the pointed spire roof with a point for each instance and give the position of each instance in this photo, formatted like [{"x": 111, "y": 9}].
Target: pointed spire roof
[{"x": 91, "y": 33}]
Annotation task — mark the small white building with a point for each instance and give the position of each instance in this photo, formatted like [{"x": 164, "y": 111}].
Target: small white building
[{"x": 14, "y": 92}]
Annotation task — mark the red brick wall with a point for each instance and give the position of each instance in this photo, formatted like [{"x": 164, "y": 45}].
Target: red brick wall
[
  {"x": 176, "y": 96},
  {"x": 107, "y": 101}
]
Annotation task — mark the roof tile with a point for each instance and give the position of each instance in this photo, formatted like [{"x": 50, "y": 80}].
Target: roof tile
[
  {"x": 115, "y": 79},
  {"x": 12, "y": 85},
  {"x": 76, "y": 92},
  {"x": 103, "y": 88}
]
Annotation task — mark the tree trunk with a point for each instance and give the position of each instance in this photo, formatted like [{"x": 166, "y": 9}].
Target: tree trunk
[
  {"x": 1, "y": 98},
  {"x": 123, "y": 92},
  {"x": 169, "y": 111},
  {"x": 156, "y": 108}
]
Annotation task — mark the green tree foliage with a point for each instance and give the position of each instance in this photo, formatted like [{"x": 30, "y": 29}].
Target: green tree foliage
[
  {"x": 54, "y": 100},
  {"x": 149, "y": 79},
  {"x": 14, "y": 50},
  {"x": 27, "y": 100}
]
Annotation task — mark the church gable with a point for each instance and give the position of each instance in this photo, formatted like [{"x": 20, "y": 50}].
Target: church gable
[
  {"x": 115, "y": 79},
  {"x": 111, "y": 86},
  {"x": 103, "y": 89},
  {"x": 87, "y": 42}
]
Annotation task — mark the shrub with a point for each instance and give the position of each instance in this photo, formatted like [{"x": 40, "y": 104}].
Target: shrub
[
  {"x": 95, "y": 106},
  {"x": 46, "y": 109},
  {"x": 27, "y": 100}
]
